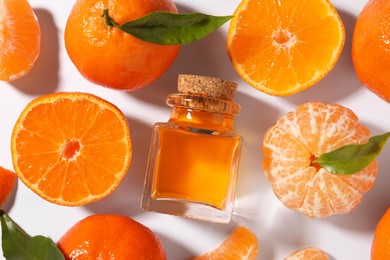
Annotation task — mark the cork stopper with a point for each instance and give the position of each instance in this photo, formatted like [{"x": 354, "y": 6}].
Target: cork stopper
[{"x": 206, "y": 86}]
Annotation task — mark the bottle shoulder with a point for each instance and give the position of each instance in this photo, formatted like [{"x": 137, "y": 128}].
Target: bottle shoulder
[{"x": 167, "y": 126}]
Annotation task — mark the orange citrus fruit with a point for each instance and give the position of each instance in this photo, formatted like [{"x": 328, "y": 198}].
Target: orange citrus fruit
[
  {"x": 241, "y": 244},
  {"x": 310, "y": 253},
  {"x": 291, "y": 145},
  {"x": 371, "y": 49},
  {"x": 20, "y": 39},
  {"x": 380, "y": 249},
  {"x": 71, "y": 148},
  {"x": 110, "y": 237},
  {"x": 7, "y": 183},
  {"x": 284, "y": 47},
  {"x": 111, "y": 57}
]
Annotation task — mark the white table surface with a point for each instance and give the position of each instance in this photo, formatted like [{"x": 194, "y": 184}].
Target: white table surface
[{"x": 280, "y": 231}]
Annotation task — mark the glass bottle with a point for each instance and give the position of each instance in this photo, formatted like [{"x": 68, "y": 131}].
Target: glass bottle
[{"x": 194, "y": 157}]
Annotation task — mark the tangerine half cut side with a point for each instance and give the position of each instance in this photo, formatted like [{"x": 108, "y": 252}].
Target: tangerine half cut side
[
  {"x": 71, "y": 148},
  {"x": 284, "y": 47}
]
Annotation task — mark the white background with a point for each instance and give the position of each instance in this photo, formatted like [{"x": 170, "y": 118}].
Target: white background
[{"x": 280, "y": 231}]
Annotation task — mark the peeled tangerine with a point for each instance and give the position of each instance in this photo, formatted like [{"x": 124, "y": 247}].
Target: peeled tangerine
[
  {"x": 310, "y": 253},
  {"x": 298, "y": 138}
]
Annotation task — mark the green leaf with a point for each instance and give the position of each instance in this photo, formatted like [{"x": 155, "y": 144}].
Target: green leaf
[
  {"x": 353, "y": 158},
  {"x": 168, "y": 28},
  {"x": 18, "y": 245}
]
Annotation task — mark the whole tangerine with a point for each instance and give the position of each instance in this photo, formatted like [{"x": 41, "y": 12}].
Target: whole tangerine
[
  {"x": 109, "y": 236},
  {"x": 7, "y": 183},
  {"x": 110, "y": 57},
  {"x": 371, "y": 48},
  {"x": 381, "y": 243}
]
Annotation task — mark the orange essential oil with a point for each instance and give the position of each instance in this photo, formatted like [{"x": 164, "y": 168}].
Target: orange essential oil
[{"x": 194, "y": 157}]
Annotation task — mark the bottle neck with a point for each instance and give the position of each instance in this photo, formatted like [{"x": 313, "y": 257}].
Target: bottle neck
[
  {"x": 202, "y": 112},
  {"x": 201, "y": 119}
]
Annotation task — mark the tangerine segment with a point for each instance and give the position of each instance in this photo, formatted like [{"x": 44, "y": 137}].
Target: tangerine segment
[
  {"x": 241, "y": 244},
  {"x": 71, "y": 148},
  {"x": 7, "y": 183},
  {"x": 310, "y": 253},
  {"x": 284, "y": 47},
  {"x": 299, "y": 137},
  {"x": 20, "y": 38}
]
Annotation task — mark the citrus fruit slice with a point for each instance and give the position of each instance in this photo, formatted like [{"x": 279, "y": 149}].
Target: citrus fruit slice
[
  {"x": 71, "y": 148},
  {"x": 110, "y": 237},
  {"x": 300, "y": 137},
  {"x": 20, "y": 38},
  {"x": 284, "y": 47},
  {"x": 380, "y": 248},
  {"x": 310, "y": 253},
  {"x": 370, "y": 47},
  {"x": 7, "y": 183},
  {"x": 125, "y": 62},
  {"x": 241, "y": 244}
]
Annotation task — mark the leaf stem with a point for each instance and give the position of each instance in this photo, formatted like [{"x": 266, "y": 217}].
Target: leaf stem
[{"x": 108, "y": 21}]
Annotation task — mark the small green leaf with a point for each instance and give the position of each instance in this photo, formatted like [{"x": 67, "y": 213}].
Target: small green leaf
[
  {"x": 168, "y": 28},
  {"x": 353, "y": 158},
  {"x": 18, "y": 245}
]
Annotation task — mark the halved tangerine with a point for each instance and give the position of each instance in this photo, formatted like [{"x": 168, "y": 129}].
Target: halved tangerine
[
  {"x": 284, "y": 47},
  {"x": 71, "y": 148}
]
